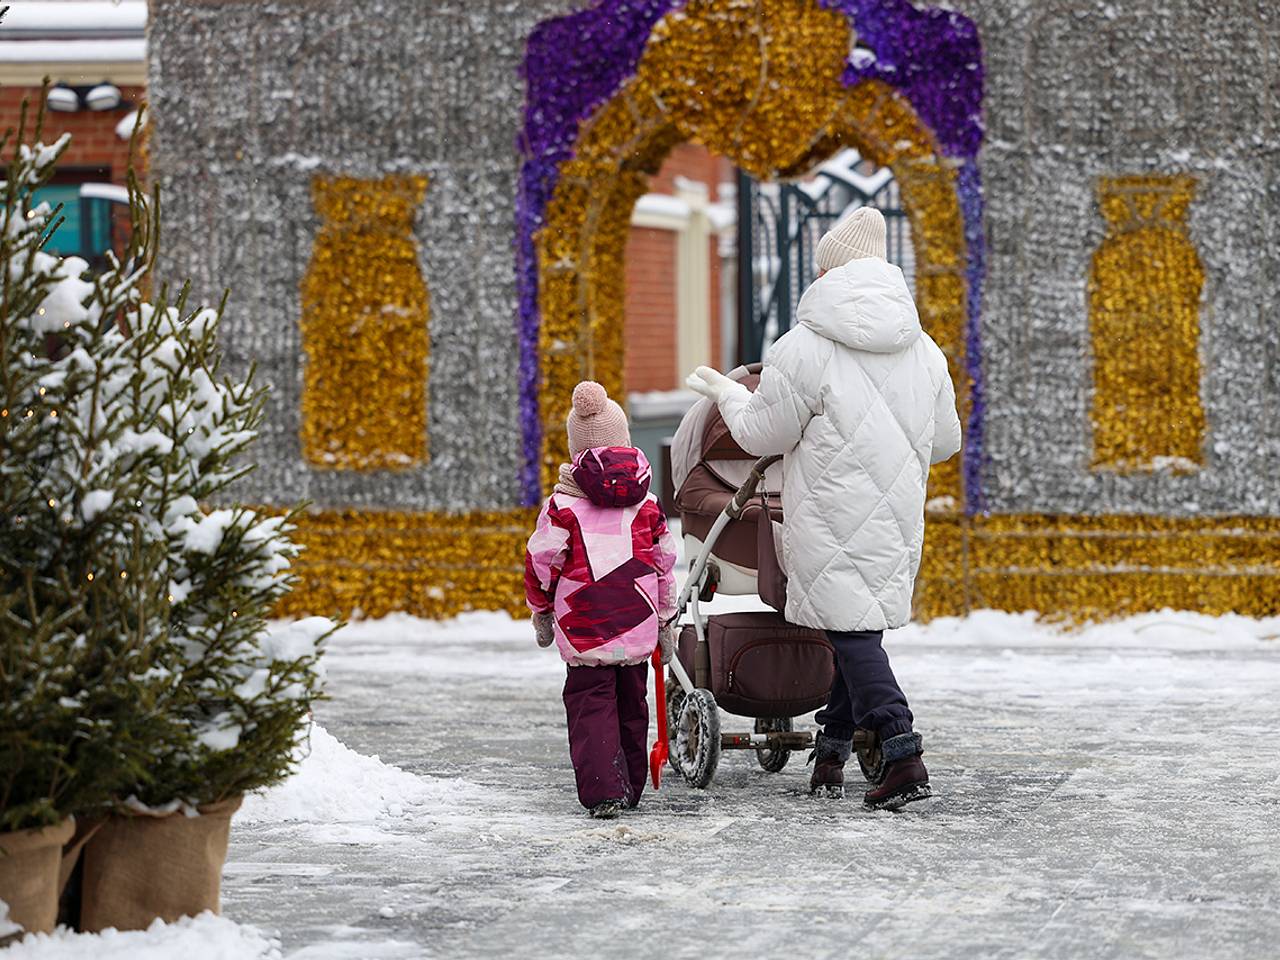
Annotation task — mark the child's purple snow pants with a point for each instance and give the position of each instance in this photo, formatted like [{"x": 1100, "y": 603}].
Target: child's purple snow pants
[
  {"x": 608, "y": 712},
  {"x": 865, "y": 693}
]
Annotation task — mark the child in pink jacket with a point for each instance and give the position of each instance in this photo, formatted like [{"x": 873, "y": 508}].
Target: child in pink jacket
[{"x": 598, "y": 578}]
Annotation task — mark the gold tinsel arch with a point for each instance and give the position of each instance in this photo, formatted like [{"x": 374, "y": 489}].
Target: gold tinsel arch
[{"x": 776, "y": 107}]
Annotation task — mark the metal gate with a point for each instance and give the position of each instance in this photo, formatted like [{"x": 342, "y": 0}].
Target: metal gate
[{"x": 779, "y": 226}]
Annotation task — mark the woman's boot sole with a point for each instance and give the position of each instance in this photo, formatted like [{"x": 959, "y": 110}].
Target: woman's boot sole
[{"x": 908, "y": 794}]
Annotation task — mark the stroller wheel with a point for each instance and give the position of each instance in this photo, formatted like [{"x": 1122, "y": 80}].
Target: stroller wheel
[
  {"x": 697, "y": 740},
  {"x": 773, "y": 760},
  {"x": 675, "y": 706}
]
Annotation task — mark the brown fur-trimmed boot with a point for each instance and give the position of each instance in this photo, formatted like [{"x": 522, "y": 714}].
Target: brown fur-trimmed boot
[
  {"x": 905, "y": 777},
  {"x": 828, "y": 759}
]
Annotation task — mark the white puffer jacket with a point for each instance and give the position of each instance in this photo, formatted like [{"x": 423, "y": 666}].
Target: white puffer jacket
[{"x": 858, "y": 399}]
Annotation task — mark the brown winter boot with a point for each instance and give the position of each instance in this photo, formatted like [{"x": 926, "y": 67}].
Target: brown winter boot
[
  {"x": 828, "y": 759},
  {"x": 905, "y": 777}
]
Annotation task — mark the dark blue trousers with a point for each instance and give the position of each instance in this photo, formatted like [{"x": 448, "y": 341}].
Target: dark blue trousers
[{"x": 865, "y": 692}]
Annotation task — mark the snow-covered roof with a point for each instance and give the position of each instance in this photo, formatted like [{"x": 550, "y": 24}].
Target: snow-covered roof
[
  {"x": 96, "y": 19},
  {"x": 74, "y": 41},
  {"x": 105, "y": 191}
]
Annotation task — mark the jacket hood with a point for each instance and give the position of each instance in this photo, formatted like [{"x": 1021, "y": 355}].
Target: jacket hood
[
  {"x": 613, "y": 476},
  {"x": 864, "y": 304}
]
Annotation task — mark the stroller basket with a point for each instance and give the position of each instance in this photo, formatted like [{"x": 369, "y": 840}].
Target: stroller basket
[{"x": 758, "y": 665}]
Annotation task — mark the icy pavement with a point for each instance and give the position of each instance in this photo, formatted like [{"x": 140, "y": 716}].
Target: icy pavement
[{"x": 1106, "y": 793}]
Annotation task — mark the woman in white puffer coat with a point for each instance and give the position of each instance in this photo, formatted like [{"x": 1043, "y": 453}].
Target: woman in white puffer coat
[{"x": 858, "y": 400}]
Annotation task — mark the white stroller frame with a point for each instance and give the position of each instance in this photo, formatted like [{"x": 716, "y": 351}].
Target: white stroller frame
[{"x": 697, "y": 741}]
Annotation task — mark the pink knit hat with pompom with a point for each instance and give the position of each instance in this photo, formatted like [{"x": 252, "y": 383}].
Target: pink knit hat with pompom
[{"x": 595, "y": 420}]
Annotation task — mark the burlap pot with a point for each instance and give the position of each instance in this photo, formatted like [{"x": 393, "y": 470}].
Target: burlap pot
[
  {"x": 29, "y": 864},
  {"x": 138, "y": 867}
]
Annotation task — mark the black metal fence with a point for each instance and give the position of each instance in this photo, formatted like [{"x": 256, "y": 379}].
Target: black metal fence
[{"x": 779, "y": 226}]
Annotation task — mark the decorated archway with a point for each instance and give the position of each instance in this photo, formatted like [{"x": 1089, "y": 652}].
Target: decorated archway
[{"x": 773, "y": 86}]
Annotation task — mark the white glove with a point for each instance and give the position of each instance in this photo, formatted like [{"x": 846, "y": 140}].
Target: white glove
[{"x": 710, "y": 383}]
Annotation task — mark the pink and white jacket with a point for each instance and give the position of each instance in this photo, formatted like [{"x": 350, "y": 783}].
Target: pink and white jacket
[{"x": 603, "y": 562}]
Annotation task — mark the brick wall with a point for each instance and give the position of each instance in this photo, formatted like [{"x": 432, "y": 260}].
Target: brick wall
[
  {"x": 94, "y": 143},
  {"x": 651, "y": 310},
  {"x": 651, "y": 292}
]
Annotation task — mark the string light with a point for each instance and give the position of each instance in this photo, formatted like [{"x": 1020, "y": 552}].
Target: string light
[
  {"x": 90, "y": 578},
  {"x": 124, "y": 574}
]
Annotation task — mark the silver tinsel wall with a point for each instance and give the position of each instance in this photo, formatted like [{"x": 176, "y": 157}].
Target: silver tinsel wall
[
  {"x": 252, "y": 101},
  {"x": 1077, "y": 91},
  {"x": 1130, "y": 170}
]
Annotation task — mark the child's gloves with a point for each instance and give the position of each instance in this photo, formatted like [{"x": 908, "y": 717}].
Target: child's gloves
[
  {"x": 710, "y": 383},
  {"x": 544, "y": 624},
  {"x": 667, "y": 641}
]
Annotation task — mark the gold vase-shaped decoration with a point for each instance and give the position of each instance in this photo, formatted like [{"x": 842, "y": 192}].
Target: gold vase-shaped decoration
[
  {"x": 365, "y": 327},
  {"x": 1144, "y": 318}
]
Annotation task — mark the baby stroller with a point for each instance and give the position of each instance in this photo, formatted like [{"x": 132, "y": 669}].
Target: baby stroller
[{"x": 754, "y": 664}]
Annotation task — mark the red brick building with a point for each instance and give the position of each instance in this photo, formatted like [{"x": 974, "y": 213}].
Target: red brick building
[
  {"x": 94, "y": 55},
  {"x": 682, "y": 238}
]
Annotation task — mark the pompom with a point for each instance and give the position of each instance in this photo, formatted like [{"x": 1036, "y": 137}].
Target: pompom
[{"x": 589, "y": 398}]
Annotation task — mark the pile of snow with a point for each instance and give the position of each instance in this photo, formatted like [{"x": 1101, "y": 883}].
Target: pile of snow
[
  {"x": 1158, "y": 630},
  {"x": 205, "y": 937},
  {"x": 130, "y": 123},
  {"x": 7, "y": 926},
  {"x": 334, "y": 784}
]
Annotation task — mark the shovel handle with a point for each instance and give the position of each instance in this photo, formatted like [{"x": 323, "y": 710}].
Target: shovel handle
[{"x": 661, "y": 750}]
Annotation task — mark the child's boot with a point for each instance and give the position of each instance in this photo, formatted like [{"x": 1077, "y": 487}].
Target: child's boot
[
  {"x": 905, "y": 777},
  {"x": 607, "y": 810},
  {"x": 828, "y": 759}
]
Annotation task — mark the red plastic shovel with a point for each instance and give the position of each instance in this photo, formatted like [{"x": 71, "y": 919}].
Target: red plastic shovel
[{"x": 661, "y": 749}]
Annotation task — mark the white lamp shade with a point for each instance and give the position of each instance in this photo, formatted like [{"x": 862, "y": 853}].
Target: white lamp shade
[
  {"x": 63, "y": 99},
  {"x": 105, "y": 96}
]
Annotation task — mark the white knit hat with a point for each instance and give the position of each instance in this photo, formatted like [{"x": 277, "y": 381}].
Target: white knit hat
[
  {"x": 858, "y": 236},
  {"x": 595, "y": 420}
]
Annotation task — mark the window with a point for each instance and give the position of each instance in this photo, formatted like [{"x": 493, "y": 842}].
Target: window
[{"x": 94, "y": 219}]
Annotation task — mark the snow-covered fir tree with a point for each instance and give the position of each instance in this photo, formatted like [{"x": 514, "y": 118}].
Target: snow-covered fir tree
[{"x": 133, "y": 641}]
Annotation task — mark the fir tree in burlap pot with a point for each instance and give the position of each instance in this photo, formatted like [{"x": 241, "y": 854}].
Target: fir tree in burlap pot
[
  {"x": 84, "y": 683},
  {"x": 143, "y": 691}
]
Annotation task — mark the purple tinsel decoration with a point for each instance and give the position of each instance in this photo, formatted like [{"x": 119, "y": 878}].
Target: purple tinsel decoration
[
  {"x": 969, "y": 188},
  {"x": 575, "y": 63}
]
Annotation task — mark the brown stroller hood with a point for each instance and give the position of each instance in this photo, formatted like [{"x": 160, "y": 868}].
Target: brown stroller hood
[{"x": 706, "y": 491}]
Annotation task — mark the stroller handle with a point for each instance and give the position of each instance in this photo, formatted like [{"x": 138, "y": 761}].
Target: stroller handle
[{"x": 747, "y": 491}]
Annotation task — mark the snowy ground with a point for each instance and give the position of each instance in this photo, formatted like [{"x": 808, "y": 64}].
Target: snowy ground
[{"x": 1104, "y": 793}]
